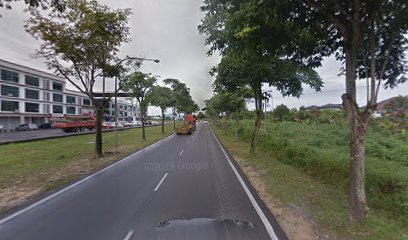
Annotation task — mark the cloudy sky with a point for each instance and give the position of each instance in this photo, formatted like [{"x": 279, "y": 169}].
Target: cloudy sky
[{"x": 167, "y": 30}]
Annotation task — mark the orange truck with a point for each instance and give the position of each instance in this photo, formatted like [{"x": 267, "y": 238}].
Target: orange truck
[
  {"x": 74, "y": 123},
  {"x": 188, "y": 126}
]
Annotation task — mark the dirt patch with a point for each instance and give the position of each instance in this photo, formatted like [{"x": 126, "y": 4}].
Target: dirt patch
[
  {"x": 293, "y": 220},
  {"x": 11, "y": 197}
]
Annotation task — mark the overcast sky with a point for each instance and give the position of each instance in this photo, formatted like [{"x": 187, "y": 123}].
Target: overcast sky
[{"x": 167, "y": 30}]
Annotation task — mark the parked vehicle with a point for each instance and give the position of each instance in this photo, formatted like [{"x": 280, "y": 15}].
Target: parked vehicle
[
  {"x": 45, "y": 126},
  {"x": 136, "y": 123},
  {"x": 1, "y": 128},
  {"x": 205, "y": 121},
  {"x": 27, "y": 127},
  {"x": 108, "y": 125},
  {"x": 126, "y": 124},
  {"x": 75, "y": 123},
  {"x": 148, "y": 123}
]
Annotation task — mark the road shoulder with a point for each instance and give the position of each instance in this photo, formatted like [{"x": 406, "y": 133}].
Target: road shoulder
[{"x": 293, "y": 220}]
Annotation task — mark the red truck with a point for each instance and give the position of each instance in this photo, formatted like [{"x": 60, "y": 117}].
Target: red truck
[
  {"x": 75, "y": 123},
  {"x": 188, "y": 126}
]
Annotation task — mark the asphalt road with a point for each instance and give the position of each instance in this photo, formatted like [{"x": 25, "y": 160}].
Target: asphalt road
[{"x": 183, "y": 187}]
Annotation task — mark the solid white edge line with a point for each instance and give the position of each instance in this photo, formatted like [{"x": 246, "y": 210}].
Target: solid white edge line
[
  {"x": 258, "y": 209},
  {"x": 181, "y": 152},
  {"x": 129, "y": 235},
  {"x": 8, "y": 218},
  {"x": 161, "y": 181}
]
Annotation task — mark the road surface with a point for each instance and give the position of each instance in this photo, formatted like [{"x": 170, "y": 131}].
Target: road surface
[{"x": 183, "y": 187}]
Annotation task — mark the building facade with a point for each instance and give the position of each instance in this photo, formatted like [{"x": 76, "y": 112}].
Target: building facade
[
  {"x": 127, "y": 111},
  {"x": 31, "y": 96}
]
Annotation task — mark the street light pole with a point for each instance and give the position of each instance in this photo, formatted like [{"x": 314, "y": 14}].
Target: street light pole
[
  {"x": 116, "y": 114},
  {"x": 116, "y": 93}
]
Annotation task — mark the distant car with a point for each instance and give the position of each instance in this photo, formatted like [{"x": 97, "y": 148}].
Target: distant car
[
  {"x": 126, "y": 124},
  {"x": 205, "y": 121},
  {"x": 45, "y": 126},
  {"x": 1, "y": 128},
  {"x": 148, "y": 123},
  {"x": 136, "y": 123},
  {"x": 107, "y": 125},
  {"x": 155, "y": 123},
  {"x": 27, "y": 127}
]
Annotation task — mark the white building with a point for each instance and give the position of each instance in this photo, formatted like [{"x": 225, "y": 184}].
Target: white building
[{"x": 31, "y": 96}]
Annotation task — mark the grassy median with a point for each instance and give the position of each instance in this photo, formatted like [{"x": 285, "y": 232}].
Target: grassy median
[
  {"x": 297, "y": 164},
  {"x": 27, "y": 169}
]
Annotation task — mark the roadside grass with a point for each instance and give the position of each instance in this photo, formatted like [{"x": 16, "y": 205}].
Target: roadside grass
[
  {"x": 305, "y": 166},
  {"x": 48, "y": 164}
]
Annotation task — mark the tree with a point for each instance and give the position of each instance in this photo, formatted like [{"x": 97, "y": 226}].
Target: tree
[
  {"x": 281, "y": 112},
  {"x": 369, "y": 36},
  {"x": 140, "y": 85},
  {"x": 182, "y": 99},
  {"x": 161, "y": 97},
  {"x": 44, "y": 4},
  {"x": 249, "y": 68},
  {"x": 201, "y": 116},
  {"x": 81, "y": 45}
]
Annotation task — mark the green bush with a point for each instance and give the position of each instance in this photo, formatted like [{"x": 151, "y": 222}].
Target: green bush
[{"x": 321, "y": 149}]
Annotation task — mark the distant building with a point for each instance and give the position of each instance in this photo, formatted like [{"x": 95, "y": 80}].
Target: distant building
[
  {"x": 127, "y": 111},
  {"x": 28, "y": 95}
]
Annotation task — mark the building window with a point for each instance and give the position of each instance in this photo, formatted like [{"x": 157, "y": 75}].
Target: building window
[
  {"x": 31, "y": 94},
  {"x": 71, "y": 110},
  {"x": 10, "y": 76},
  {"x": 57, "y": 109},
  {"x": 46, "y": 96},
  {"x": 46, "y": 84},
  {"x": 9, "y": 106},
  {"x": 121, "y": 106},
  {"x": 57, "y": 86},
  {"x": 87, "y": 102},
  {"x": 46, "y": 108},
  {"x": 32, "y": 107},
  {"x": 71, "y": 99},
  {"x": 9, "y": 91},
  {"x": 32, "y": 81},
  {"x": 57, "y": 97}
]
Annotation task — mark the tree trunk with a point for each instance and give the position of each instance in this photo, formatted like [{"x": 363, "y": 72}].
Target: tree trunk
[
  {"x": 98, "y": 137},
  {"x": 162, "y": 120},
  {"x": 225, "y": 124},
  {"x": 258, "y": 110},
  {"x": 358, "y": 123},
  {"x": 236, "y": 129},
  {"x": 174, "y": 119},
  {"x": 143, "y": 115}
]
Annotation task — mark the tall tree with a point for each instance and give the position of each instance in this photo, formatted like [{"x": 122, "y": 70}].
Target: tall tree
[
  {"x": 369, "y": 36},
  {"x": 182, "y": 99},
  {"x": 81, "y": 45},
  {"x": 249, "y": 68},
  {"x": 139, "y": 85},
  {"x": 44, "y": 4},
  {"x": 161, "y": 97}
]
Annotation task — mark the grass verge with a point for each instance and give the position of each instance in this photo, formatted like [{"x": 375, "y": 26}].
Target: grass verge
[
  {"x": 324, "y": 204},
  {"x": 27, "y": 169}
]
